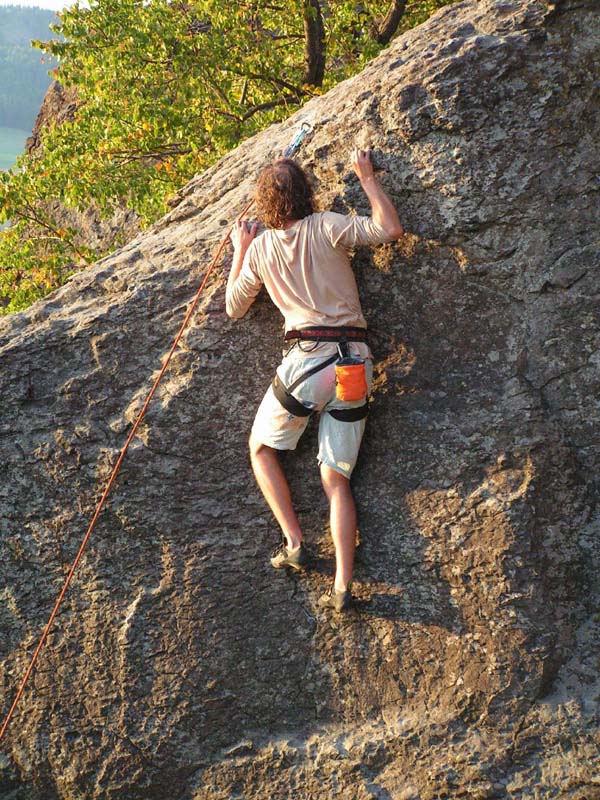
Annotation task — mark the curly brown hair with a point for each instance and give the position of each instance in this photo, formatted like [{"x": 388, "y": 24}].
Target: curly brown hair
[{"x": 283, "y": 193}]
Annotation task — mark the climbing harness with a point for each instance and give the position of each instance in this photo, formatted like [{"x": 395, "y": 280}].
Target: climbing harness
[
  {"x": 351, "y": 382},
  {"x": 306, "y": 130},
  {"x": 284, "y": 393},
  {"x": 327, "y": 334}
]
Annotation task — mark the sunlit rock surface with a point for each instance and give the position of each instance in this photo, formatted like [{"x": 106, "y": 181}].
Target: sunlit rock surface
[{"x": 180, "y": 665}]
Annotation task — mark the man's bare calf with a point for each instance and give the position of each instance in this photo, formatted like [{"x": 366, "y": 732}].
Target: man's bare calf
[{"x": 276, "y": 491}]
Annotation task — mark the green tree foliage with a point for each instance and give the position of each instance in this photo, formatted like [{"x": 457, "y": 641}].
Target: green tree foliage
[
  {"x": 23, "y": 70},
  {"x": 166, "y": 87}
]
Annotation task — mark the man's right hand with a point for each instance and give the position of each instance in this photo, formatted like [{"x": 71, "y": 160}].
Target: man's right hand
[
  {"x": 361, "y": 164},
  {"x": 382, "y": 209}
]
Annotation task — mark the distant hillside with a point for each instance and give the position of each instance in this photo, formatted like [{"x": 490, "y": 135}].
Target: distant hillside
[{"x": 23, "y": 75}]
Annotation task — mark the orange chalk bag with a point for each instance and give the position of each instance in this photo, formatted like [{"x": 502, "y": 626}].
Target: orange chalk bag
[{"x": 351, "y": 379}]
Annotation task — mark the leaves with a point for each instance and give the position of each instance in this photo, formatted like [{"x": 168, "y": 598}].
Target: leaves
[{"x": 166, "y": 87}]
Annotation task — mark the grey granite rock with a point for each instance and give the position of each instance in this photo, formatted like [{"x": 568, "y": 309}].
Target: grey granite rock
[{"x": 179, "y": 665}]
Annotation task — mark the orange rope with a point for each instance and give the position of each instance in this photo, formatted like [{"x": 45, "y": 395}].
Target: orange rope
[{"x": 114, "y": 475}]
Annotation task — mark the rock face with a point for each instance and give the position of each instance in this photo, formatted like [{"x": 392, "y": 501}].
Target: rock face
[
  {"x": 59, "y": 105},
  {"x": 179, "y": 665}
]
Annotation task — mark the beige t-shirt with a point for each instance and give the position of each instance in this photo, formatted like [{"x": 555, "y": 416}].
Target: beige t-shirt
[{"x": 306, "y": 270}]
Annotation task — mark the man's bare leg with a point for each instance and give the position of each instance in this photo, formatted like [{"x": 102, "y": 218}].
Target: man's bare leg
[
  {"x": 342, "y": 517},
  {"x": 275, "y": 488}
]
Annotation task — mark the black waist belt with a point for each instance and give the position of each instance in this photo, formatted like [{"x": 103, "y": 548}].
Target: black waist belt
[
  {"x": 328, "y": 334},
  {"x": 288, "y": 401}
]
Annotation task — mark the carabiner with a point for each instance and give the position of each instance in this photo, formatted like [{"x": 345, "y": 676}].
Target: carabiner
[{"x": 305, "y": 130}]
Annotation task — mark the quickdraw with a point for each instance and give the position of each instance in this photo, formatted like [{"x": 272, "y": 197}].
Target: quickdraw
[{"x": 305, "y": 131}]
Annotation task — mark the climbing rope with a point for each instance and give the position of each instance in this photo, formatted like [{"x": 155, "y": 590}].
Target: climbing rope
[
  {"x": 304, "y": 134},
  {"x": 114, "y": 473}
]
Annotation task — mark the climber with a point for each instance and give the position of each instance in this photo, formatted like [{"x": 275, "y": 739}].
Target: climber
[{"x": 302, "y": 260}]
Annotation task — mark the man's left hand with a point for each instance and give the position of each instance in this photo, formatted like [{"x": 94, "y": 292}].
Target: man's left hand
[{"x": 242, "y": 235}]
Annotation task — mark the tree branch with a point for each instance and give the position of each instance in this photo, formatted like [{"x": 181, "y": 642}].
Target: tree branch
[
  {"x": 389, "y": 24},
  {"x": 283, "y": 101},
  {"x": 159, "y": 153},
  {"x": 278, "y": 82},
  {"x": 55, "y": 232}
]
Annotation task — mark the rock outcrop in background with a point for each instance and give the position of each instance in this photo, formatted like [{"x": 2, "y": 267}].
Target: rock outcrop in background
[
  {"x": 180, "y": 666},
  {"x": 94, "y": 230}
]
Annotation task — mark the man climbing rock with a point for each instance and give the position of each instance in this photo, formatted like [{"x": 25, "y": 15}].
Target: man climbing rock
[{"x": 302, "y": 260}]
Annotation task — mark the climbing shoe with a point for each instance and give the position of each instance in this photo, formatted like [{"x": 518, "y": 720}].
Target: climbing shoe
[
  {"x": 334, "y": 599},
  {"x": 295, "y": 559}
]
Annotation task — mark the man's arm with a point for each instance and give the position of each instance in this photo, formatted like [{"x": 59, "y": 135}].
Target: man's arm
[
  {"x": 241, "y": 236},
  {"x": 382, "y": 209}
]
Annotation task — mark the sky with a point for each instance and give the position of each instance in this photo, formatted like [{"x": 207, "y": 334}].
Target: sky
[{"x": 55, "y": 5}]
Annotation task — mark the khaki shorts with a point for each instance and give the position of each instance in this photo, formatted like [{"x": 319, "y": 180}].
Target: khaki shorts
[{"x": 339, "y": 442}]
